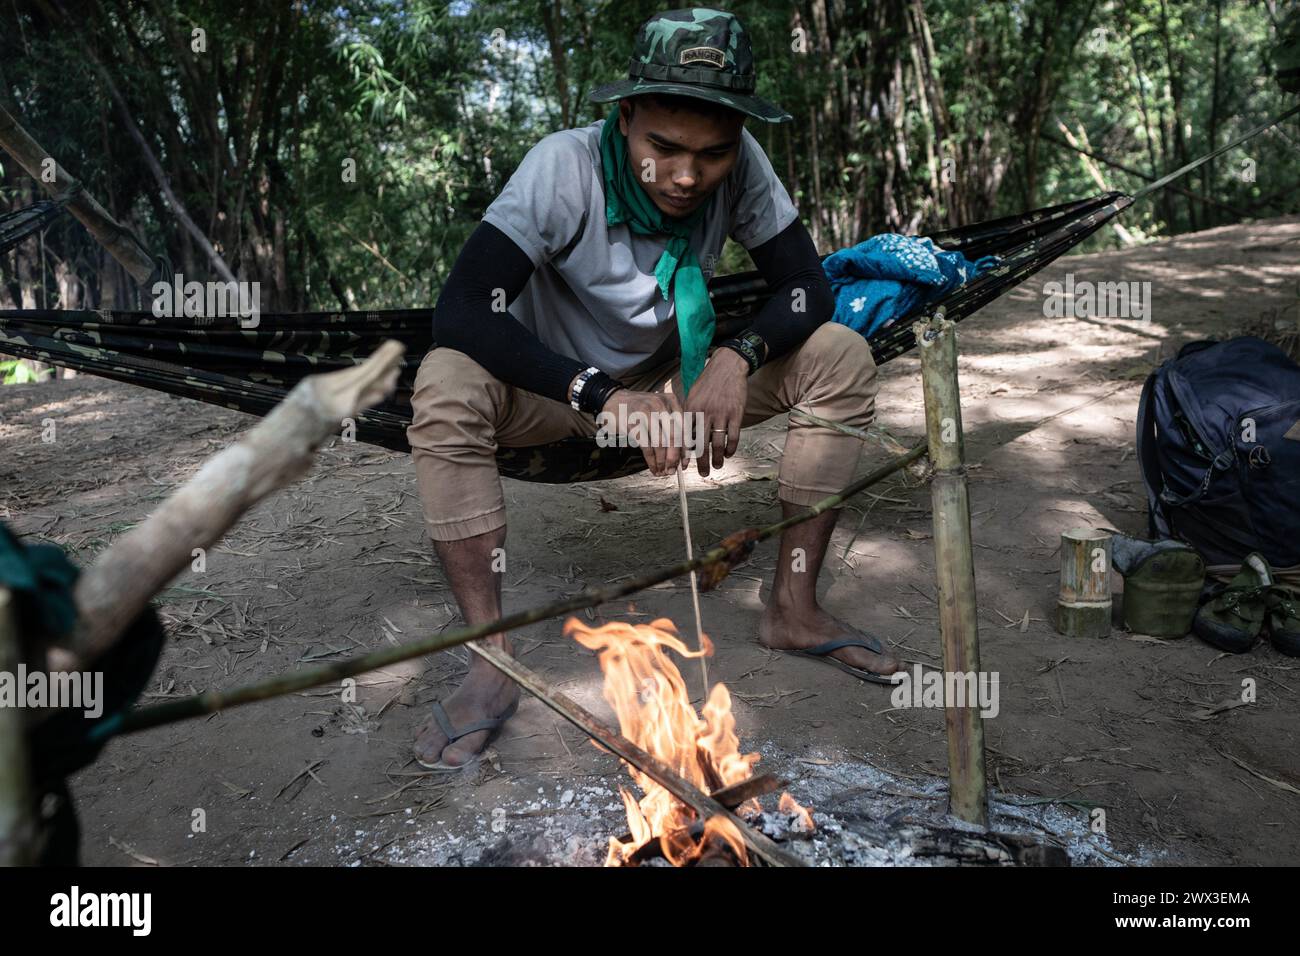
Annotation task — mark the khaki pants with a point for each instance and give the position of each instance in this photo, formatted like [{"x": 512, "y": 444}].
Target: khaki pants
[{"x": 461, "y": 414}]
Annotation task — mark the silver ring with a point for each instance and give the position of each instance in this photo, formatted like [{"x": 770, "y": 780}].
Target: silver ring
[{"x": 716, "y": 430}]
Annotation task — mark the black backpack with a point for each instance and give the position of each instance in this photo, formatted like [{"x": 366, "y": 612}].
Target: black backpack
[{"x": 1218, "y": 442}]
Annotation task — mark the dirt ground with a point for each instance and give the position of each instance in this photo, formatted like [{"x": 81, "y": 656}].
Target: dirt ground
[{"x": 340, "y": 564}]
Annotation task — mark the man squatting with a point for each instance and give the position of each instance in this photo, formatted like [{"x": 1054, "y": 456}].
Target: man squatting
[{"x": 574, "y": 241}]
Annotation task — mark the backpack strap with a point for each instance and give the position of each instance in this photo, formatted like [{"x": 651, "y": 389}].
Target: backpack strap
[
  {"x": 1191, "y": 348},
  {"x": 1149, "y": 463}
]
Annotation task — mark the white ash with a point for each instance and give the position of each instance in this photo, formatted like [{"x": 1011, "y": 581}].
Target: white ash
[
  {"x": 848, "y": 797},
  {"x": 861, "y": 815}
]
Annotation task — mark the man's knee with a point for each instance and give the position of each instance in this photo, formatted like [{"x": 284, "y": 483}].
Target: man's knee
[
  {"x": 451, "y": 390},
  {"x": 449, "y": 372},
  {"x": 840, "y": 362}
]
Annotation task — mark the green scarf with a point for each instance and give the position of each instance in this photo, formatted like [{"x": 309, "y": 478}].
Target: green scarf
[{"x": 626, "y": 201}]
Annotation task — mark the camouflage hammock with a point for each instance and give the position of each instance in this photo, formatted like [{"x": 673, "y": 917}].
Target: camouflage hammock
[
  {"x": 217, "y": 361},
  {"x": 18, "y": 225}
]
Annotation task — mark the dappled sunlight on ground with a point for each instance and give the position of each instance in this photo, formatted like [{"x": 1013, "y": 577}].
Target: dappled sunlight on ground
[{"x": 1049, "y": 406}]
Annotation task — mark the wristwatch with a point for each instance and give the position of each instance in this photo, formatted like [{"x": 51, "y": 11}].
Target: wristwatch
[{"x": 750, "y": 346}]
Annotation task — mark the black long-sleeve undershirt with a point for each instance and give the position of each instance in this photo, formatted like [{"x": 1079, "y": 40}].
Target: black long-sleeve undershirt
[
  {"x": 789, "y": 261},
  {"x": 465, "y": 319}
]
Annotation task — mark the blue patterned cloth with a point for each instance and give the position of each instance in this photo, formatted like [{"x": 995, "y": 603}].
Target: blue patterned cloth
[{"x": 887, "y": 277}]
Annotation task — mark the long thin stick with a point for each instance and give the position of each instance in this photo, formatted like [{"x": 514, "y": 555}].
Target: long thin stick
[
  {"x": 212, "y": 701},
  {"x": 1183, "y": 170},
  {"x": 1141, "y": 175},
  {"x": 648, "y": 764},
  {"x": 875, "y": 434},
  {"x": 695, "y": 587}
]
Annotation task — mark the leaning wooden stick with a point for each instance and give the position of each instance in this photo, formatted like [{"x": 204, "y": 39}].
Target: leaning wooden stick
[
  {"x": 277, "y": 451},
  {"x": 954, "y": 564},
  {"x": 17, "y": 821},
  {"x": 918, "y": 469},
  {"x": 718, "y": 560},
  {"x": 648, "y": 764}
]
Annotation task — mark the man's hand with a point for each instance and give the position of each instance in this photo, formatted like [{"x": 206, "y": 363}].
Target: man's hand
[
  {"x": 639, "y": 410},
  {"x": 718, "y": 395}
]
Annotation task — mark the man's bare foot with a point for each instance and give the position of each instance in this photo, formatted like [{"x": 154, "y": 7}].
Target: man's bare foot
[
  {"x": 485, "y": 693},
  {"x": 787, "y": 629}
]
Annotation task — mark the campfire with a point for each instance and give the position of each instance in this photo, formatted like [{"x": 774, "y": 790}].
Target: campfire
[{"x": 654, "y": 710}]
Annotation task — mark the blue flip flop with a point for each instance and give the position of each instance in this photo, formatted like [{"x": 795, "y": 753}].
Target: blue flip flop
[
  {"x": 493, "y": 724},
  {"x": 822, "y": 653}
]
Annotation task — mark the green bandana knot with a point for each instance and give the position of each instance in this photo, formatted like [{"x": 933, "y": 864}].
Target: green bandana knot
[{"x": 626, "y": 201}]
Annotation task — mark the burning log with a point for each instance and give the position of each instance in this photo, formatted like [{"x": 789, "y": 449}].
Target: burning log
[
  {"x": 730, "y": 797},
  {"x": 715, "y": 817},
  {"x": 736, "y": 794},
  {"x": 715, "y": 852},
  {"x": 646, "y": 690}
]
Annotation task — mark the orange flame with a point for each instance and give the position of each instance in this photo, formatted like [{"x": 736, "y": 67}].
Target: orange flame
[
  {"x": 790, "y": 808},
  {"x": 654, "y": 710}
]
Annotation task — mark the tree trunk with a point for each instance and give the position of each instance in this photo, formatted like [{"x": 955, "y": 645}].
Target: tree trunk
[
  {"x": 1173, "y": 64},
  {"x": 1207, "y": 171},
  {"x": 552, "y": 14}
]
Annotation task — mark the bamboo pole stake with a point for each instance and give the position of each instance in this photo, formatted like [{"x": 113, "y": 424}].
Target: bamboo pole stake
[
  {"x": 703, "y": 804},
  {"x": 954, "y": 564},
  {"x": 212, "y": 701},
  {"x": 278, "y": 450},
  {"x": 17, "y": 823},
  {"x": 108, "y": 232}
]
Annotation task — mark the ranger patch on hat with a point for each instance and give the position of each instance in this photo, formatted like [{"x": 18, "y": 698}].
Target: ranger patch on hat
[{"x": 697, "y": 52}]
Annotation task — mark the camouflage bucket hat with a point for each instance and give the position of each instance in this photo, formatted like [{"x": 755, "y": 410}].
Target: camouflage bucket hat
[{"x": 695, "y": 52}]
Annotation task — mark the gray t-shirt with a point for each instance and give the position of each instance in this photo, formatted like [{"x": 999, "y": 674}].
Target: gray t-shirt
[{"x": 593, "y": 295}]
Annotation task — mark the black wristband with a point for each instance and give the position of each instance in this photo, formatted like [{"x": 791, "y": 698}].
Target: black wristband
[
  {"x": 749, "y": 346},
  {"x": 597, "y": 391}
]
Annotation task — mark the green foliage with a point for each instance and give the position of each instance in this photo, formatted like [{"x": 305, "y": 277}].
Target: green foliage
[
  {"x": 435, "y": 103},
  {"x": 17, "y": 372}
]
